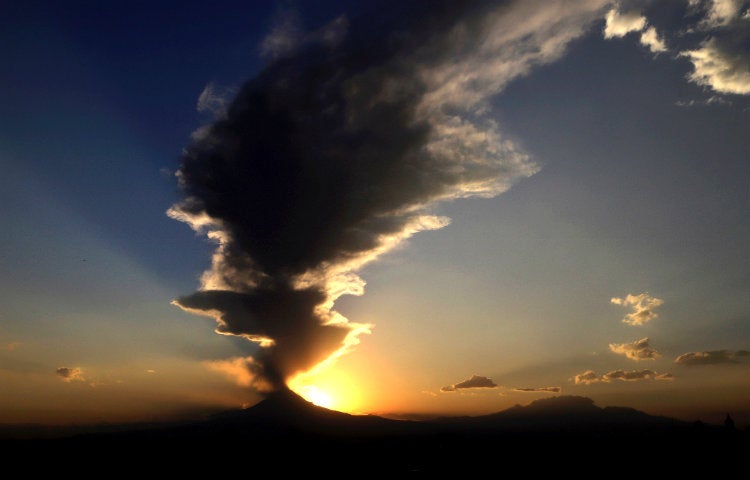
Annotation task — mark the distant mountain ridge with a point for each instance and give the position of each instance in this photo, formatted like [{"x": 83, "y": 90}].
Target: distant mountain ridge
[{"x": 286, "y": 433}]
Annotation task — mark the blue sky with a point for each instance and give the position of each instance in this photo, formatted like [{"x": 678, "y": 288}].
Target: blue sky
[{"x": 643, "y": 187}]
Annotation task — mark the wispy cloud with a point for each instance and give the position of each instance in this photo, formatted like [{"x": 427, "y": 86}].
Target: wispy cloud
[
  {"x": 539, "y": 389},
  {"x": 721, "y": 13},
  {"x": 713, "y": 357},
  {"x": 476, "y": 381},
  {"x": 285, "y": 36},
  {"x": 713, "y": 100},
  {"x": 643, "y": 306},
  {"x": 68, "y": 374},
  {"x": 589, "y": 376},
  {"x": 638, "y": 350},
  {"x": 214, "y": 99}
]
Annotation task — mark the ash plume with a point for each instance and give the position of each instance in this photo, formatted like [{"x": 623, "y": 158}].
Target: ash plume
[{"x": 337, "y": 151}]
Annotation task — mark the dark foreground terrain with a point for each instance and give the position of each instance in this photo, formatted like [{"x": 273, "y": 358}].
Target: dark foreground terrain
[{"x": 286, "y": 434}]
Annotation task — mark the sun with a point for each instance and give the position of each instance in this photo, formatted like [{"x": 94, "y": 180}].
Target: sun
[{"x": 315, "y": 395}]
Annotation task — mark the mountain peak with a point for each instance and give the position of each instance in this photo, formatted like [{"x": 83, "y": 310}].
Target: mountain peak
[
  {"x": 563, "y": 402},
  {"x": 283, "y": 407}
]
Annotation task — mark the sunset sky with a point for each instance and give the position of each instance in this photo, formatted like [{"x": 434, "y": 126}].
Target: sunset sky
[{"x": 542, "y": 198}]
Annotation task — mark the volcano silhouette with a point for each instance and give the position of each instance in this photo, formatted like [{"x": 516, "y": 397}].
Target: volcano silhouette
[{"x": 283, "y": 412}]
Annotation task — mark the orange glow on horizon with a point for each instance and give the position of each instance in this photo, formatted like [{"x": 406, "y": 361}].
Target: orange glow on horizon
[{"x": 329, "y": 389}]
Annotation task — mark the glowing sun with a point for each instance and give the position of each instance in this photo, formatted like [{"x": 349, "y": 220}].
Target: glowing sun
[{"x": 315, "y": 395}]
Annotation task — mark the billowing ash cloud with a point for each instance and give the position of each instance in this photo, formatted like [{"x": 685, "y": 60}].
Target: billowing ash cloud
[
  {"x": 476, "y": 381},
  {"x": 643, "y": 306},
  {"x": 539, "y": 389},
  {"x": 713, "y": 357},
  {"x": 336, "y": 152},
  {"x": 69, "y": 374},
  {"x": 638, "y": 350}
]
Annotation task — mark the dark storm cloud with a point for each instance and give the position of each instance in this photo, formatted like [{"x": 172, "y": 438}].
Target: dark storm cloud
[
  {"x": 335, "y": 152},
  {"x": 712, "y": 357},
  {"x": 476, "y": 381}
]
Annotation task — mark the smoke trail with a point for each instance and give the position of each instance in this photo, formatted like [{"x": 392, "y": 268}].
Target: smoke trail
[{"x": 335, "y": 152}]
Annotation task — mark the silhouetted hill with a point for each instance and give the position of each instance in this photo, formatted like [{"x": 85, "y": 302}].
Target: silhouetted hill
[
  {"x": 569, "y": 415},
  {"x": 285, "y": 433}
]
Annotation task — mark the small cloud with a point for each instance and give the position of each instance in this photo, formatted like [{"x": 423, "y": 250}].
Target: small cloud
[
  {"x": 214, "y": 99},
  {"x": 150, "y": 371},
  {"x": 428, "y": 393},
  {"x": 720, "y": 66},
  {"x": 628, "y": 376},
  {"x": 651, "y": 39},
  {"x": 712, "y": 357},
  {"x": 68, "y": 374},
  {"x": 286, "y": 35},
  {"x": 643, "y": 306},
  {"x": 713, "y": 100},
  {"x": 539, "y": 389},
  {"x": 638, "y": 350},
  {"x": 589, "y": 376},
  {"x": 476, "y": 381},
  {"x": 586, "y": 378},
  {"x": 620, "y": 24}
]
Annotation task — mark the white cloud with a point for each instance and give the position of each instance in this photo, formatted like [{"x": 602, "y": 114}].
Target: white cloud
[
  {"x": 476, "y": 381},
  {"x": 620, "y": 24},
  {"x": 643, "y": 306},
  {"x": 712, "y": 357},
  {"x": 650, "y": 38},
  {"x": 638, "y": 350},
  {"x": 721, "y": 13},
  {"x": 719, "y": 67}
]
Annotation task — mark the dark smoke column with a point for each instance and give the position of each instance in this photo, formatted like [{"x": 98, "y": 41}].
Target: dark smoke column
[{"x": 334, "y": 154}]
